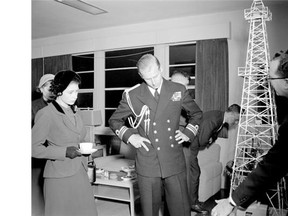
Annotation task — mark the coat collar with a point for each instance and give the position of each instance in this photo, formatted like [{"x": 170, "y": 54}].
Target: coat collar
[
  {"x": 58, "y": 108},
  {"x": 77, "y": 127}
]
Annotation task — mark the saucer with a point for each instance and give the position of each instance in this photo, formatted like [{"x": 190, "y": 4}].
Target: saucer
[
  {"x": 90, "y": 151},
  {"x": 128, "y": 178}
]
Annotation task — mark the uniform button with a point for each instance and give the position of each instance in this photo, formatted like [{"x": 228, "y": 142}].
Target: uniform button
[
  {"x": 172, "y": 145},
  {"x": 154, "y": 123},
  {"x": 156, "y": 140},
  {"x": 169, "y": 129},
  {"x": 155, "y": 132},
  {"x": 168, "y": 120},
  {"x": 158, "y": 148}
]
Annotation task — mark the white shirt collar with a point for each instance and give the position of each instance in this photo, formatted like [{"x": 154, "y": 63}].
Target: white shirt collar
[{"x": 153, "y": 90}]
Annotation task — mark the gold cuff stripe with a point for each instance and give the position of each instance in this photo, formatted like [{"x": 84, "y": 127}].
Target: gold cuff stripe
[
  {"x": 192, "y": 128},
  {"x": 121, "y": 132}
]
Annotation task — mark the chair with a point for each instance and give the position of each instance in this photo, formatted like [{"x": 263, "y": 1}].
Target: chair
[{"x": 211, "y": 170}]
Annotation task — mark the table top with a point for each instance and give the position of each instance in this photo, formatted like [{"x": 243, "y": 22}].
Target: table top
[
  {"x": 114, "y": 165},
  {"x": 113, "y": 162}
]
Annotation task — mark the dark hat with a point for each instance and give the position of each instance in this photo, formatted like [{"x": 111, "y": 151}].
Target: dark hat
[{"x": 63, "y": 79}]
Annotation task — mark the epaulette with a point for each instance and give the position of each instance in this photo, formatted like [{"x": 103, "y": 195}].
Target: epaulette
[{"x": 130, "y": 89}]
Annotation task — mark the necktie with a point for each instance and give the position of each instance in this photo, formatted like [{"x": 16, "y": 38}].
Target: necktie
[
  {"x": 220, "y": 128},
  {"x": 215, "y": 134},
  {"x": 156, "y": 95}
]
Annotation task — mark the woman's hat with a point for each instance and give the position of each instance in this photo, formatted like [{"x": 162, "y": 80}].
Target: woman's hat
[
  {"x": 45, "y": 78},
  {"x": 62, "y": 80}
]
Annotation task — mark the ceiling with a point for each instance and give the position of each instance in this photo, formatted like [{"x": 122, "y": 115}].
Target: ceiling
[{"x": 50, "y": 18}]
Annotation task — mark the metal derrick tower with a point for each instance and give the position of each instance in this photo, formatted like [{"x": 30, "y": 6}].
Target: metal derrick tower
[{"x": 257, "y": 129}]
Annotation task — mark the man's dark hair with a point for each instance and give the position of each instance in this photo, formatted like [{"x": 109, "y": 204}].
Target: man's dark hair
[
  {"x": 234, "y": 108},
  {"x": 179, "y": 71},
  {"x": 282, "y": 69}
]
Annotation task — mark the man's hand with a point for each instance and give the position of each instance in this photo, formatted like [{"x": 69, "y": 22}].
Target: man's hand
[
  {"x": 223, "y": 208},
  {"x": 72, "y": 152},
  {"x": 180, "y": 137},
  {"x": 138, "y": 141}
]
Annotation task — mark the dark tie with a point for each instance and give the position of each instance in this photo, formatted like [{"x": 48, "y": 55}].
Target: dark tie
[
  {"x": 222, "y": 125},
  {"x": 156, "y": 95},
  {"x": 214, "y": 135}
]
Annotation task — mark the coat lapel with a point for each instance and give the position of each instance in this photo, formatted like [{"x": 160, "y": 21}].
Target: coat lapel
[
  {"x": 148, "y": 99},
  {"x": 75, "y": 128},
  {"x": 165, "y": 96}
]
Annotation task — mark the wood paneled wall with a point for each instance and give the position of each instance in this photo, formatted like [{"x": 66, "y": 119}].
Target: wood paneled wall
[
  {"x": 37, "y": 71},
  {"x": 55, "y": 64}
]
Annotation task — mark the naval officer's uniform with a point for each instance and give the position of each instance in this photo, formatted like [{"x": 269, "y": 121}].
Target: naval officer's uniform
[{"x": 164, "y": 163}]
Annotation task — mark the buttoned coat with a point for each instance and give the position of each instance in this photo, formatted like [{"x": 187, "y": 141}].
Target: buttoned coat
[
  {"x": 165, "y": 156},
  {"x": 53, "y": 126}
]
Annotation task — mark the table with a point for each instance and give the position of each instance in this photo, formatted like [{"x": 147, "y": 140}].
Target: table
[{"x": 115, "y": 189}]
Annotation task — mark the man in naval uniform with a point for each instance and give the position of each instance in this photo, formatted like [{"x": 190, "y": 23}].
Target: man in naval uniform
[{"x": 154, "y": 108}]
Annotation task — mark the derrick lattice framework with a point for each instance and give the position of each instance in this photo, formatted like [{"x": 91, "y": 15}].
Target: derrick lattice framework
[{"x": 257, "y": 130}]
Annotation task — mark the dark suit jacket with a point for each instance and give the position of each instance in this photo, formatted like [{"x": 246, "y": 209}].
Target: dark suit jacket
[
  {"x": 36, "y": 106},
  {"x": 210, "y": 123},
  {"x": 273, "y": 166},
  {"x": 165, "y": 156}
]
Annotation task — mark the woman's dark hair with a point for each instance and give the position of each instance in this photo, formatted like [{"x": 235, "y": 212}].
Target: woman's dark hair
[{"x": 62, "y": 80}]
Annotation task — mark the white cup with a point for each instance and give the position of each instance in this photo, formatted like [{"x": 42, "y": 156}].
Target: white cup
[{"x": 86, "y": 146}]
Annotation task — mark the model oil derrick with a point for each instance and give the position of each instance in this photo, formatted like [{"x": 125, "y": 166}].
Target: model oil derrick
[{"x": 257, "y": 130}]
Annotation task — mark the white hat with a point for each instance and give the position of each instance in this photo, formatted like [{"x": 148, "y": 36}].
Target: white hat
[{"x": 45, "y": 78}]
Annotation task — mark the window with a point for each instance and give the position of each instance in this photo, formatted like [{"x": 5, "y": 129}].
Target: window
[
  {"x": 83, "y": 64},
  {"x": 120, "y": 74},
  {"x": 183, "y": 57}
]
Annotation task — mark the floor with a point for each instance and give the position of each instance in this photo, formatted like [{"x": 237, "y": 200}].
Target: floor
[
  {"x": 210, "y": 203},
  {"x": 106, "y": 208},
  {"x": 122, "y": 209}
]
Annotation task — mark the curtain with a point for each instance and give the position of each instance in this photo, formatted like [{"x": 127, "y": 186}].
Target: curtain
[
  {"x": 211, "y": 83},
  {"x": 212, "y": 74}
]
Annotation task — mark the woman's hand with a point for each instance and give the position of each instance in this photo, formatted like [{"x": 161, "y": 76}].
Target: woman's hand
[{"x": 72, "y": 152}]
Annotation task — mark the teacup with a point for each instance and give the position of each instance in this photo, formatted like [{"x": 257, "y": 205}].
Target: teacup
[{"x": 86, "y": 146}]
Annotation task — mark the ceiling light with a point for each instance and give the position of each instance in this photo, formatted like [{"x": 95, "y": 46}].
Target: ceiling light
[{"x": 81, "y": 5}]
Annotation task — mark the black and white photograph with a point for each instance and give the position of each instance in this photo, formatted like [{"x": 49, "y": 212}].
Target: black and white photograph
[{"x": 146, "y": 108}]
